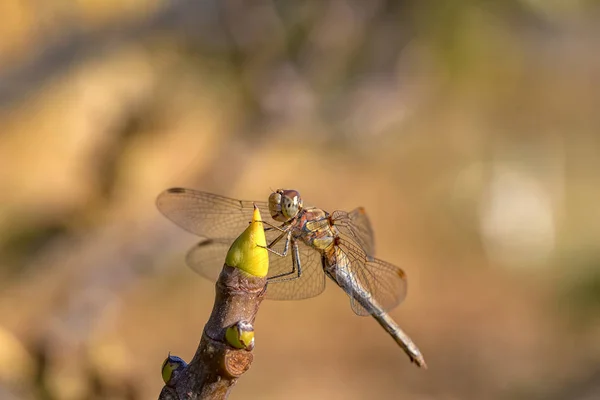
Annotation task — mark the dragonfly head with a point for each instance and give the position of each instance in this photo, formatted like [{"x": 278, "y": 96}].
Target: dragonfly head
[{"x": 284, "y": 204}]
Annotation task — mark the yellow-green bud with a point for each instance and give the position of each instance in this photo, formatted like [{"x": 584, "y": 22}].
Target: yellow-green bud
[
  {"x": 171, "y": 368},
  {"x": 249, "y": 251},
  {"x": 240, "y": 335}
]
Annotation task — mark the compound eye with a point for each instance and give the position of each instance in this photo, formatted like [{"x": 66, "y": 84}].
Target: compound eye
[
  {"x": 291, "y": 203},
  {"x": 275, "y": 207}
]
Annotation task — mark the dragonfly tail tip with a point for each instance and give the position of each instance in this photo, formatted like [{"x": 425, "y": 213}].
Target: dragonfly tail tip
[{"x": 420, "y": 363}]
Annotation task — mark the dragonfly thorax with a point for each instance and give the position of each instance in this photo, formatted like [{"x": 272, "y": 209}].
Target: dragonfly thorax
[
  {"x": 317, "y": 230},
  {"x": 284, "y": 204}
]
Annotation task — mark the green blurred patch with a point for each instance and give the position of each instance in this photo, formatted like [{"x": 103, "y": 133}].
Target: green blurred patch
[
  {"x": 580, "y": 298},
  {"x": 26, "y": 241},
  {"x": 585, "y": 295}
]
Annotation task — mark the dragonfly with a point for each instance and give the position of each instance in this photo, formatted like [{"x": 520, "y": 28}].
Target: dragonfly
[{"x": 307, "y": 244}]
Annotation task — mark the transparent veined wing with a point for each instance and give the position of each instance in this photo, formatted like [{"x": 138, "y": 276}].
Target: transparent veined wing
[
  {"x": 208, "y": 256},
  {"x": 356, "y": 226},
  {"x": 384, "y": 283},
  {"x": 310, "y": 283},
  {"x": 209, "y": 215}
]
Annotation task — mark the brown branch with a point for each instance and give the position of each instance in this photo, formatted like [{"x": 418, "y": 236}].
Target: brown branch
[{"x": 217, "y": 365}]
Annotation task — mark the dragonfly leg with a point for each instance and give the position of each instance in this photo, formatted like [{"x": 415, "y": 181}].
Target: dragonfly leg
[
  {"x": 271, "y": 226},
  {"x": 288, "y": 236},
  {"x": 296, "y": 271}
]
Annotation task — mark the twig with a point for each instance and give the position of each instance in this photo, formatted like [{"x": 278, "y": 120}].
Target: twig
[{"x": 225, "y": 350}]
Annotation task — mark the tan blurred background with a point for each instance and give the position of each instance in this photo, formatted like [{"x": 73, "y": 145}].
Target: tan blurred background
[{"x": 469, "y": 130}]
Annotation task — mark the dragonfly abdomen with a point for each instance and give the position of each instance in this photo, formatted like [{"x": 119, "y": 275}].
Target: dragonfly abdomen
[
  {"x": 337, "y": 267},
  {"x": 401, "y": 338}
]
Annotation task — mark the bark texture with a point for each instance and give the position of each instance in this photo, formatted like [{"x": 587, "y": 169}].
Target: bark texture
[{"x": 217, "y": 365}]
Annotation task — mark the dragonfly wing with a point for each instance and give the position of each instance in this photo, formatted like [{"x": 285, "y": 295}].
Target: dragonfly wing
[
  {"x": 208, "y": 256},
  {"x": 384, "y": 282},
  {"x": 209, "y": 215},
  {"x": 310, "y": 283},
  {"x": 356, "y": 226}
]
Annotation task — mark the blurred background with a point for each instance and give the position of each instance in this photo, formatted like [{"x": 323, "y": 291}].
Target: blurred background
[{"x": 468, "y": 129}]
